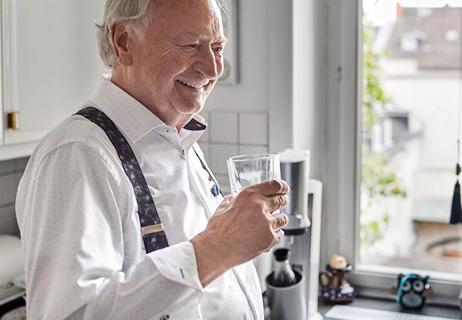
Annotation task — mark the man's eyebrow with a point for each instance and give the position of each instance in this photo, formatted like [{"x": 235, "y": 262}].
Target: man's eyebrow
[{"x": 221, "y": 39}]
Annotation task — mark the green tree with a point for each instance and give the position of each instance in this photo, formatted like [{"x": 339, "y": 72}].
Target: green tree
[{"x": 378, "y": 179}]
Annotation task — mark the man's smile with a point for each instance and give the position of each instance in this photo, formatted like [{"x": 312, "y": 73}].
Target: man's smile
[{"x": 197, "y": 86}]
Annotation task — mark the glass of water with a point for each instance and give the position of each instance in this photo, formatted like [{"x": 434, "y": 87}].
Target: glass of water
[{"x": 247, "y": 170}]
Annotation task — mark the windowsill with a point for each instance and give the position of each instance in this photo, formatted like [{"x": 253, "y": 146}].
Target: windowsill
[{"x": 379, "y": 304}]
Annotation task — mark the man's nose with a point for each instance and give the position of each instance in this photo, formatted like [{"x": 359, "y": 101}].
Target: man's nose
[{"x": 207, "y": 63}]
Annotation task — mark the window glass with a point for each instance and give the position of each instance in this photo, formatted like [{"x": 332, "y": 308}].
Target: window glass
[{"x": 410, "y": 108}]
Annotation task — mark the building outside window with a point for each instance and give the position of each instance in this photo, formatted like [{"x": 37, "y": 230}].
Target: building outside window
[{"x": 412, "y": 86}]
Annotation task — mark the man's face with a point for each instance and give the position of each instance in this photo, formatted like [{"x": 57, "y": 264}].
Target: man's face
[{"x": 178, "y": 58}]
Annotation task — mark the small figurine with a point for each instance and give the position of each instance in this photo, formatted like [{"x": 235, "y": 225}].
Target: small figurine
[
  {"x": 334, "y": 287},
  {"x": 412, "y": 290}
]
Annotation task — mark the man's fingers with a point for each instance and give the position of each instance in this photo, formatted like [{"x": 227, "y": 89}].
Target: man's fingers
[
  {"x": 228, "y": 198},
  {"x": 279, "y": 235},
  {"x": 279, "y": 220},
  {"x": 225, "y": 203},
  {"x": 277, "y": 202},
  {"x": 272, "y": 187}
]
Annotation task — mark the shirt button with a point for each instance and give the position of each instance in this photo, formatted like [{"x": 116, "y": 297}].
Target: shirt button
[{"x": 165, "y": 317}]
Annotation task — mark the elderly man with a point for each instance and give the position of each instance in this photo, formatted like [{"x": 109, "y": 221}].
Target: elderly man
[{"x": 120, "y": 216}]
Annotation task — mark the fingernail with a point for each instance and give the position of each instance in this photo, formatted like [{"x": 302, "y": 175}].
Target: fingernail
[{"x": 288, "y": 186}]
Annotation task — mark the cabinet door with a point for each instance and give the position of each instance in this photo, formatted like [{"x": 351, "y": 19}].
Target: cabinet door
[{"x": 50, "y": 62}]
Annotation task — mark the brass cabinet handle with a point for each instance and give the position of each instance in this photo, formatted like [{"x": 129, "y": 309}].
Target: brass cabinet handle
[{"x": 13, "y": 120}]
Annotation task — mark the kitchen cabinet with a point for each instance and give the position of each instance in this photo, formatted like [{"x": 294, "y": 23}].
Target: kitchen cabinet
[{"x": 50, "y": 64}]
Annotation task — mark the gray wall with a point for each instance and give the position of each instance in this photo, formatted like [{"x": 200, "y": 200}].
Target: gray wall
[
  {"x": 254, "y": 115},
  {"x": 282, "y": 78},
  {"x": 10, "y": 174},
  {"x": 291, "y": 70}
]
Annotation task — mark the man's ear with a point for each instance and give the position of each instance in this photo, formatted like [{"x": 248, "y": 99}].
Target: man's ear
[{"x": 120, "y": 34}]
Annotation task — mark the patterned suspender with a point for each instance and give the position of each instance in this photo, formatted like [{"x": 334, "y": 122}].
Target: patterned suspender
[{"x": 152, "y": 229}]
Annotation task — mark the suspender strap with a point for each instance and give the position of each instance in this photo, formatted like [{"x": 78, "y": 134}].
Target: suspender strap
[
  {"x": 152, "y": 229},
  {"x": 216, "y": 190}
]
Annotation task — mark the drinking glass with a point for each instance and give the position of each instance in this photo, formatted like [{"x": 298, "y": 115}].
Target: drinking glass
[{"x": 247, "y": 170}]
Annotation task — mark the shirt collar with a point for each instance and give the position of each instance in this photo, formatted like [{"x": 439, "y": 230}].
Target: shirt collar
[{"x": 133, "y": 118}]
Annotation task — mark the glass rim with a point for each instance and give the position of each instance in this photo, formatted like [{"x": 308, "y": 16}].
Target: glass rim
[{"x": 253, "y": 157}]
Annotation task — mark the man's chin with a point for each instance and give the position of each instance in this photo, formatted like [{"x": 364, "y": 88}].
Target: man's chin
[{"x": 193, "y": 108}]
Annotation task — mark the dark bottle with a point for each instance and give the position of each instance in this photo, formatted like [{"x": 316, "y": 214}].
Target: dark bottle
[{"x": 283, "y": 275}]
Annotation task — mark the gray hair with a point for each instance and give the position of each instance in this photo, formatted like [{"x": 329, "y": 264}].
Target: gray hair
[{"x": 133, "y": 11}]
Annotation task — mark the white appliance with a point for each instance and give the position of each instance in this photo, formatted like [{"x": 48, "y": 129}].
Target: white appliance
[
  {"x": 11, "y": 268},
  {"x": 303, "y": 233}
]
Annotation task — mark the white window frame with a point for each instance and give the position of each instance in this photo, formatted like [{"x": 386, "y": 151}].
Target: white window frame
[{"x": 341, "y": 170}]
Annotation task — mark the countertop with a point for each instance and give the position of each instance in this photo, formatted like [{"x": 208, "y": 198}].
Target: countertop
[{"x": 428, "y": 310}]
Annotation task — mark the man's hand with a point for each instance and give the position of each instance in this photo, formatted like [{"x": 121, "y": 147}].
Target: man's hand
[{"x": 242, "y": 227}]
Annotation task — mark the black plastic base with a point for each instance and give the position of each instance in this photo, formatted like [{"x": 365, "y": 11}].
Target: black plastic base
[{"x": 295, "y": 232}]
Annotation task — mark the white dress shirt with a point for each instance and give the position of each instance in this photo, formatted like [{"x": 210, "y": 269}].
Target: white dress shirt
[{"x": 77, "y": 212}]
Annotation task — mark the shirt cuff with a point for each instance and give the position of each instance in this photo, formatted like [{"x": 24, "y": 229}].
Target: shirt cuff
[{"x": 178, "y": 263}]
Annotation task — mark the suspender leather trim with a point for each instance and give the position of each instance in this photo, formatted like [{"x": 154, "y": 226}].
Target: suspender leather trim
[{"x": 152, "y": 229}]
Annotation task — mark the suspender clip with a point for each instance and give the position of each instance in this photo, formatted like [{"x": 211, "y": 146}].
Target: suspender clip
[{"x": 155, "y": 228}]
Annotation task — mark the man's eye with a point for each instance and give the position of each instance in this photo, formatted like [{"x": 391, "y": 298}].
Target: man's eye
[
  {"x": 218, "y": 49},
  {"x": 192, "y": 46}
]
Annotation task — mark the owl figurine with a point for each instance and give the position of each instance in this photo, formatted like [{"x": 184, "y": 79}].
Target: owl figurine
[{"x": 412, "y": 290}]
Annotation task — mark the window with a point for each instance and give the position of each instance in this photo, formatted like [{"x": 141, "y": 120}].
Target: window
[
  {"x": 392, "y": 144},
  {"x": 412, "y": 41},
  {"x": 451, "y": 35},
  {"x": 410, "y": 102}
]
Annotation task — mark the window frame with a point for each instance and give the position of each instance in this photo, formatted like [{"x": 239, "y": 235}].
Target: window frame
[{"x": 343, "y": 160}]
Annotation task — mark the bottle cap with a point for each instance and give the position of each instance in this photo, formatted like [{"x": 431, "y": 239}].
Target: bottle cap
[{"x": 281, "y": 254}]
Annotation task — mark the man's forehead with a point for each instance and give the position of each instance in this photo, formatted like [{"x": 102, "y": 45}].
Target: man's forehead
[
  {"x": 184, "y": 5},
  {"x": 180, "y": 18}
]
